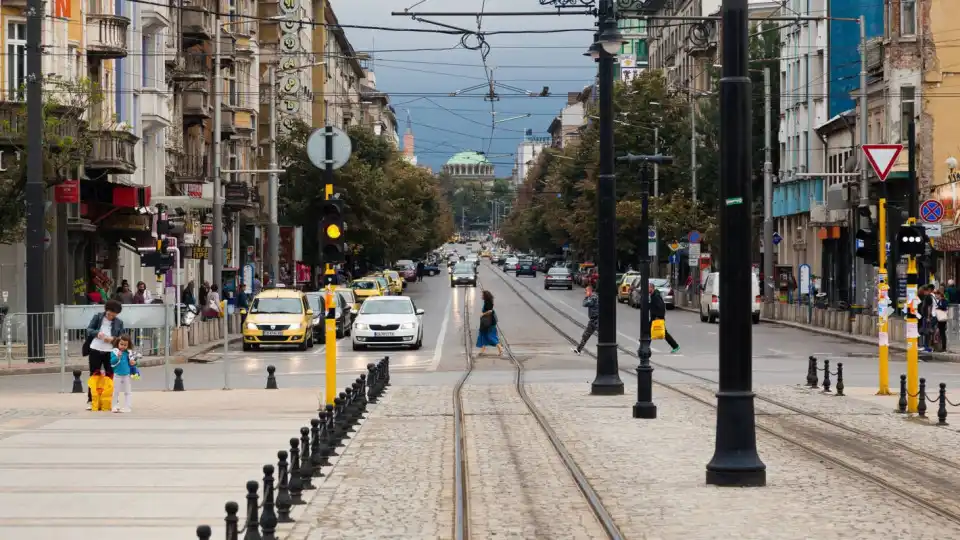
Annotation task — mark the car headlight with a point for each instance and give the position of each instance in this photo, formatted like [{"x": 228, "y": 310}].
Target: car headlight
[
  {"x": 360, "y": 326},
  {"x": 408, "y": 326},
  {"x": 251, "y": 326},
  {"x": 294, "y": 326},
  {"x": 316, "y": 321}
]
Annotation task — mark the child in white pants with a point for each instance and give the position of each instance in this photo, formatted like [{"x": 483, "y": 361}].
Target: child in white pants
[{"x": 122, "y": 365}]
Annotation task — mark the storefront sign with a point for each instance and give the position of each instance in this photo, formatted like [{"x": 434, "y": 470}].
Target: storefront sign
[
  {"x": 68, "y": 192},
  {"x": 196, "y": 252},
  {"x": 127, "y": 222}
]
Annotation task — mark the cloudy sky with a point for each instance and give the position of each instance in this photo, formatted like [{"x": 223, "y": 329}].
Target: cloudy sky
[{"x": 419, "y": 81}]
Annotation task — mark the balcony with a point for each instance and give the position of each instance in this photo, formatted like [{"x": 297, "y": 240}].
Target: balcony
[
  {"x": 171, "y": 162},
  {"x": 228, "y": 48},
  {"x": 198, "y": 20},
  {"x": 13, "y": 124},
  {"x": 239, "y": 196},
  {"x": 196, "y": 105},
  {"x": 228, "y": 124},
  {"x": 112, "y": 152},
  {"x": 106, "y": 33},
  {"x": 191, "y": 168},
  {"x": 192, "y": 66},
  {"x": 155, "y": 109}
]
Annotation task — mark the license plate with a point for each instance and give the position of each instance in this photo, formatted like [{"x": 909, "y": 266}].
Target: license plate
[
  {"x": 384, "y": 334},
  {"x": 273, "y": 332}
]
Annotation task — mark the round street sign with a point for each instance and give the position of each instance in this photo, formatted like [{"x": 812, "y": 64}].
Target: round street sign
[
  {"x": 694, "y": 237},
  {"x": 651, "y": 234},
  {"x": 317, "y": 148},
  {"x": 931, "y": 211}
]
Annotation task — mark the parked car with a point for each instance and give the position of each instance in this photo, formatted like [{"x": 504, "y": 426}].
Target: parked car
[
  {"x": 662, "y": 285},
  {"x": 431, "y": 269},
  {"x": 526, "y": 267},
  {"x": 624, "y": 285},
  {"x": 558, "y": 276},
  {"x": 407, "y": 270},
  {"x": 709, "y": 304}
]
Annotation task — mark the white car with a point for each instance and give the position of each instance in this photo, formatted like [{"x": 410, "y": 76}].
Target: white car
[{"x": 388, "y": 321}]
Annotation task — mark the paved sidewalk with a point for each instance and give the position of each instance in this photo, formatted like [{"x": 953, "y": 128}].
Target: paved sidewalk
[
  {"x": 154, "y": 474},
  {"x": 20, "y": 366}
]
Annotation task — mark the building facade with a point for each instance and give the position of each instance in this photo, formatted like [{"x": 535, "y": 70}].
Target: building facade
[
  {"x": 526, "y": 155},
  {"x": 470, "y": 167}
]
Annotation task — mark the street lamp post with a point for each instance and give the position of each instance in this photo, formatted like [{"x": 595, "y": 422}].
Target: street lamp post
[
  {"x": 644, "y": 407},
  {"x": 609, "y": 40},
  {"x": 735, "y": 460}
]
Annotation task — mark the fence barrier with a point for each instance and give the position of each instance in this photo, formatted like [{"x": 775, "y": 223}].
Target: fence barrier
[
  {"x": 813, "y": 372},
  {"x": 283, "y": 486}
]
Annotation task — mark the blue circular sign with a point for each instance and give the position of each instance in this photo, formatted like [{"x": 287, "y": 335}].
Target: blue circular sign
[
  {"x": 652, "y": 233},
  {"x": 931, "y": 211},
  {"x": 694, "y": 237}
]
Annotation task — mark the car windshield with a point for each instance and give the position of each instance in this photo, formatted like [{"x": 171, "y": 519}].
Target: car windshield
[
  {"x": 315, "y": 301},
  {"x": 387, "y": 307},
  {"x": 558, "y": 271},
  {"x": 364, "y": 285},
  {"x": 658, "y": 282},
  {"x": 277, "y": 305},
  {"x": 347, "y": 296},
  {"x": 392, "y": 275},
  {"x": 463, "y": 269}
]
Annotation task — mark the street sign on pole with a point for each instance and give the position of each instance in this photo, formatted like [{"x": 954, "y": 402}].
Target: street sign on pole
[
  {"x": 674, "y": 245},
  {"x": 882, "y": 157},
  {"x": 693, "y": 254},
  {"x": 931, "y": 211},
  {"x": 777, "y": 238},
  {"x": 934, "y": 230},
  {"x": 652, "y": 248},
  {"x": 674, "y": 258},
  {"x": 651, "y": 234},
  {"x": 694, "y": 237},
  {"x": 317, "y": 148}
]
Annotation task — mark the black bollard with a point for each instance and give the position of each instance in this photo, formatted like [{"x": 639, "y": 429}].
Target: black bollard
[
  {"x": 826, "y": 376},
  {"x": 296, "y": 483},
  {"x": 902, "y": 403},
  {"x": 232, "y": 522},
  {"x": 283, "y": 489},
  {"x": 306, "y": 464},
  {"x": 204, "y": 532},
  {"x": 942, "y": 409},
  {"x": 78, "y": 389},
  {"x": 812, "y": 379},
  {"x": 386, "y": 371},
  {"x": 331, "y": 430},
  {"x": 371, "y": 383},
  {"x": 253, "y": 508},
  {"x": 362, "y": 391},
  {"x": 922, "y": 399},
  {"x": 350, "y": 407},
  {"x": 339, "y": 429},
  {"x": 324, "y": 446},
  {"x": 839, "y": 378},
  {"x": 178, "y": 380},
  {"x": 268, "y": 517},
  {"x": 357, "y": 400},
  {"x": 316, "y": 460},
  {"x": 271, "y": 378}
]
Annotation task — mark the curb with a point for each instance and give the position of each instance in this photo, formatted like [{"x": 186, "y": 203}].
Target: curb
[
  {"x": 927, "y": 357},
  {"x": 195, "y": 357},
  {"x": 150, "y": 362}
]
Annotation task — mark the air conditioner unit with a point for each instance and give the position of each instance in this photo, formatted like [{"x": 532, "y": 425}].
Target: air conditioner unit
[{"x": 818, "y": 213}]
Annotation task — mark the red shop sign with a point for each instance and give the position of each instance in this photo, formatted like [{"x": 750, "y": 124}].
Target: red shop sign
[{"x": 67, "y": 192}]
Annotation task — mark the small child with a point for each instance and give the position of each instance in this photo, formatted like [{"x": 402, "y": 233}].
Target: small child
[{"x": 123, "y": 366}]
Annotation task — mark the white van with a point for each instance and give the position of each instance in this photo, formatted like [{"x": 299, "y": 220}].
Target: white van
[{"x": 710, "y": 297}]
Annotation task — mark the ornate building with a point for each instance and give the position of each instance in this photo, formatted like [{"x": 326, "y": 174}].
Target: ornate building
[{"x": 470, "y": 165}]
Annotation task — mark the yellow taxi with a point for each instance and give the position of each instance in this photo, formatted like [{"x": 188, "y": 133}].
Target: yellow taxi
[
  {"x": 485, "y": 253},
  {"x": 623, "y": 286},
  {"x": 383, "y": 282},
  {"x": 278, "y": 317},
  {"x": 394, "y": 281},
  {"x": 367, "y": 287}
]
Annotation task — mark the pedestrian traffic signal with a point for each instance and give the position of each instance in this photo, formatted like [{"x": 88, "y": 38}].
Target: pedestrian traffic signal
[
  {"x": 867, "y": 247},
  {"x": 331, "y": 232},
  {"x": 911, "y": 240}
]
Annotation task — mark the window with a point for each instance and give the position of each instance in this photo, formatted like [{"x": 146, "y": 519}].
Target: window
[
  {"x": 230, "y": 77},
  {"x": 73, "y": 63},
  {"x": 908, "y": 17},
  {"x": 16, "y": 59},
  {"x": 906, "y": 110}
]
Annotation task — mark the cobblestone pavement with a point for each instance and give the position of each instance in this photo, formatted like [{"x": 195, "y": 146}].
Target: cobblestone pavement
[
  {"x": 518, "y": 486},
  {"x": 395, "y": 479},
  {"x": 650, "y": 475}
]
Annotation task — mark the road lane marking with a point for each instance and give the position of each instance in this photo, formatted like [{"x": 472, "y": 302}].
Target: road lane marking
[{"x": 443, "y": 332}]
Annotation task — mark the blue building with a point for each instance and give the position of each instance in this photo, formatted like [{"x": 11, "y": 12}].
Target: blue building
[{"x": 844, "y": 49}]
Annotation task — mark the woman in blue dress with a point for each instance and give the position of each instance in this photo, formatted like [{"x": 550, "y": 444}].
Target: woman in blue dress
[{"x": 487, "y": 335}]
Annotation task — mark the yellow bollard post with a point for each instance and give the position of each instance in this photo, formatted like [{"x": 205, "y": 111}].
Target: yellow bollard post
[
  {"x": 330, "y": 334},
  {"x": 883, "y": 302},
  {"x": 913, "y": 358}
]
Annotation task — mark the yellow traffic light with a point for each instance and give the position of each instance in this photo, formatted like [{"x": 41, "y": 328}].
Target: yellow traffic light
[{"x": 333, "y": 231}]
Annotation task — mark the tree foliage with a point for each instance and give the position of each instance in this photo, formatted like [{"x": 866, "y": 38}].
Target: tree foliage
[
  {"x": 66, "y": 113},
  {"x": 393, "y": 209}
]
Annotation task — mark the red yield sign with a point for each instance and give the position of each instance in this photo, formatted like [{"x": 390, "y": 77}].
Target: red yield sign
[{"x": 882, "y": 157}]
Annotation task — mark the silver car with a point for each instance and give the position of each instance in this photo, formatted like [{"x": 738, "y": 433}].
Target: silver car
[{"x": 662, "y": 285}]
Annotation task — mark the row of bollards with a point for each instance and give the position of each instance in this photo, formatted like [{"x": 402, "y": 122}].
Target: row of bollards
[
  {"x": 285, "y": 484},
  {"x": 922, "y": 399},
  {"x": 813, "y": 376},
  {"x": 177, "y": 380}
]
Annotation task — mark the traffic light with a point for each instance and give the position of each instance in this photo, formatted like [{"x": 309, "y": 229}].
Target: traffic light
[
  {"x": 911, "y": 240},
  {"x": 331, "y": 232},
  {"x": 867, "y": 246}
]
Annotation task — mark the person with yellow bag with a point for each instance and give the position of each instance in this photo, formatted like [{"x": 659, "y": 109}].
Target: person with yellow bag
[{"x": 658, "y": 319}]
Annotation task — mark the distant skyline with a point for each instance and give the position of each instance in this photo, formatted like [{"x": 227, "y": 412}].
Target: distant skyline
[{"x": 420, "y": 80}]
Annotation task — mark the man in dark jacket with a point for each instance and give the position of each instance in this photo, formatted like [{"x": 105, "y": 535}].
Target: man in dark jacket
[
  {"x": 592, "y": 303},
  {"x": 420, "y": 271},
  {"x": 658, "y": 312}
]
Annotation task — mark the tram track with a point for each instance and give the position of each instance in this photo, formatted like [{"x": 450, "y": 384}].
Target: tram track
[
  {"x": 462, "y": 519},
  {"x": 927, "y": 480}
]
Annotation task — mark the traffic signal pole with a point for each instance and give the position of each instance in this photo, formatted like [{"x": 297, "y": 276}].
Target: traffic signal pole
[
  {"x": 913, "y": 361},
  {"x": 330, "y": 329},
  {"x": 883, "y": 296}
]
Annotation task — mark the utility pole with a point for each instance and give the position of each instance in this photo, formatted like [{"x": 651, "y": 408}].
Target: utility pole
[
  {"x": 656, "y": 167},
  {"x": 273, "y": 180},
  {"x": 693, "y": 146},
  {"x": 864, "y": 288},
  {"x": 767, "y": 191},
  {"x": 35, "y": 190},
  {"x": 217, "y": 241}
]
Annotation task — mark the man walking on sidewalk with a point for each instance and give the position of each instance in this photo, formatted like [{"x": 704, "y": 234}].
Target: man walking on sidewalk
[
  {"x": 592, "y": 303},
  {"x": 658, "y": 312}
]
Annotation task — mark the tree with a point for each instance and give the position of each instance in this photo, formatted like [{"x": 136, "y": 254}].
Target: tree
[
  {"x": 393, "y": 209},
  {"x": 65, "y": 114}
]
